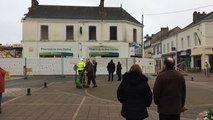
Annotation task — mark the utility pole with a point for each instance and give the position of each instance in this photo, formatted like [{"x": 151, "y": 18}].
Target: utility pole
[{"x": 142, "y": 45}]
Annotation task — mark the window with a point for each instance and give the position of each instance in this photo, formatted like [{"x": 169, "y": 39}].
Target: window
[
  {"x": 69, "y": 33},
  {"x": 113, "y": 33},
  {"x": 172, "y": 44},
  {"x": 164, "y": 48},
  {"x": 168, "y": 48},
  {"x": 135, "y": 35},
  {"x": 44, "y": 32},
  {"x": 188, "y": 41},
  {"x": 160, "y": 48},
  {"x": 153, "y": 50},
  {"x": 92, "y": 33},
  {"x": 157, "y": 49},
  {"x": 181, "y": 43},
  {"x": 197, "y": 39}
]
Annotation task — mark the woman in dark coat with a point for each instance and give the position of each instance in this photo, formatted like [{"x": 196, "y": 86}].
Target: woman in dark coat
[
  {"x": 118, "y": 71},
  {"x": 135, "y": 94}
]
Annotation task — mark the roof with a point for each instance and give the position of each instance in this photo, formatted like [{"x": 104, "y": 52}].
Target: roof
[
  {"x": 161, "y": 35},
  {"x": 172, "y": 32},
  {"x": 202, "y": 19},
  {"x": 79, "y": 12}
]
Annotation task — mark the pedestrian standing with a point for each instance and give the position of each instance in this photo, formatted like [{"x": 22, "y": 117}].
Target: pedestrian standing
[
  {"x": 2, "y": 85},
  {"x": 89, "y": 68},
  {"x": 169, "y": 92},
  {"x": 80, "y": 67},
  {"x": 111, "y": 69},
  {"x": 207, "y": 68},
  {"x": 135, "y": 94},
  {"x": 95, "y": 66},
  {"x": 118, "y": 71}
]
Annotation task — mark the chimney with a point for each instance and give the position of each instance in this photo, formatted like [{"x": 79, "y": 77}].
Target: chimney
[
  {"x": 34, "y": 3},
  {"x": 101, "y": 7},
  {"x": 164, "y": 29},
  {"x": 198, "y": 15},
  {"x": 194, "y": 16}
]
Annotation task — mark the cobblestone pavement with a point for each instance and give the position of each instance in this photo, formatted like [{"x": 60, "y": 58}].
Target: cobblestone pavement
[{"x": 62, "y": 101}]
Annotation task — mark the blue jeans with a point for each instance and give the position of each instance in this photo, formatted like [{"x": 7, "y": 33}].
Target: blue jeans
[{"x": 0, "y": 100}]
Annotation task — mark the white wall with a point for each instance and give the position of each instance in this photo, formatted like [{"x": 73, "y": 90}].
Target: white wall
[
  {"x": 208, "y": 33},
  {"x": 189, "y": 32},
  {"x": 57, "y": 30},
  {"x": 169, "y": 40},
  {"x": 64, "y": 66}
]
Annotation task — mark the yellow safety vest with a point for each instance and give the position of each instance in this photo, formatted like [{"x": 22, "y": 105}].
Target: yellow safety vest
[
  {"x": 208, "y": 65},
  {"x": 81, "y": 65}
]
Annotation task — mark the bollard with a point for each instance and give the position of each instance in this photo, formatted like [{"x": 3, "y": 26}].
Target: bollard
[
  {"x": 28, "y": 91},
  {"x": 45, "y": 85},
  {"x": 192, "y": 78}
]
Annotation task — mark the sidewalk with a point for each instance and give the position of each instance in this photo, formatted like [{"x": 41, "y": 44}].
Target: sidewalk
[
  {"x": 62, "y": 101},
  {"x": 199, "y": 77}
]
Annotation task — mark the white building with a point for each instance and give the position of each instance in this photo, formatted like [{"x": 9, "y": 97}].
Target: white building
[
  {"x": 169, "y": 44},
  {"x": 195, "y": 42},
  {"x": 80, "y": 31},
  {"x": 156, "y": 44}
]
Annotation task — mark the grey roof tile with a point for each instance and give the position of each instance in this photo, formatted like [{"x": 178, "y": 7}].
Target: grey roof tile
[{"x": 79, "y": 12}]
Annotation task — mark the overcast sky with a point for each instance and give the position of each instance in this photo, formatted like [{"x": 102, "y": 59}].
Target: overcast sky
[{"x": 11, "y": 12}]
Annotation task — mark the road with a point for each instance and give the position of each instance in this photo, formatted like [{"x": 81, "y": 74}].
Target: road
[{"x": 199, "y": 92}]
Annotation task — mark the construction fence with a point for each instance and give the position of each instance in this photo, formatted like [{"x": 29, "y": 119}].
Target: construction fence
[{"x": 64, "y": 66}]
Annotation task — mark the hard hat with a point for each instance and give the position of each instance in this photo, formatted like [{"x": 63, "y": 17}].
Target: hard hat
[{"x": 81, "y": 59}]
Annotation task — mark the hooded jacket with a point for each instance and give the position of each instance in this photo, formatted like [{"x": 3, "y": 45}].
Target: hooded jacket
[{"x": 135, "y": 95}]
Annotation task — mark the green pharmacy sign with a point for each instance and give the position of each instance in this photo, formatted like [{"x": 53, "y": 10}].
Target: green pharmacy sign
[
  {"x": 103, "y": 52},
  {"x": 55, "y": 52}
]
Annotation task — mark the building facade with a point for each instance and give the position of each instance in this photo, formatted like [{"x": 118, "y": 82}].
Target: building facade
[
  {"x": 169, "y": 44},
  {"x": 195, "y": 41},
  {"x": 80, "y": 31},
  {"x": 156, "y": 44},
  {"x": 147, "y": 47}
]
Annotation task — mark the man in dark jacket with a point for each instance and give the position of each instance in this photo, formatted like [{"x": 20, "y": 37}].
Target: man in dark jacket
[
  {"x": 111, "y": 69},
  {"x": 89, "y": 68},
  {"x": 169, "y": 92}
]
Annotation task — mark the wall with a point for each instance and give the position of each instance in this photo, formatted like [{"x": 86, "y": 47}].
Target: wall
[
  {"x": 57, "y": 36},
  {"x": 57, "y": 30},
  {"x": 169, "y": 40},
  {"x": 64, "y": 66},
  {"x": 208, "y": 33}
]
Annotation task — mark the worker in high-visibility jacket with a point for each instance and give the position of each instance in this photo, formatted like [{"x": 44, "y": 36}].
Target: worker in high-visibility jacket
[
  {"x": 207, "y": 68},
  {"x": 80, "y": 67}
]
